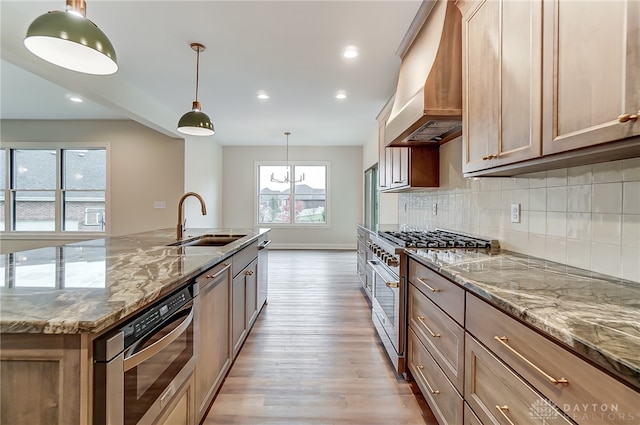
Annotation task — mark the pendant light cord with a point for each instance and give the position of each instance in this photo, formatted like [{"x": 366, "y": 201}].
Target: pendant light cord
[{"x": 197, "y": 70}]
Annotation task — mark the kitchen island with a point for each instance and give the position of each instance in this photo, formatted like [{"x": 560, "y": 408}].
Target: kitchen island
[{"x": 54, "y": 302}]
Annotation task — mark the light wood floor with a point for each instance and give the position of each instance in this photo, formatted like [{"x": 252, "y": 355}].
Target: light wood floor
[{"x": 313, "y": 356}]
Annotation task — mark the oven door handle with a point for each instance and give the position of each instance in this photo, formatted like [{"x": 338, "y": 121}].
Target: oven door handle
[
  {"x": 389, "y": 280},
  {"x": 161, "y": 344}
]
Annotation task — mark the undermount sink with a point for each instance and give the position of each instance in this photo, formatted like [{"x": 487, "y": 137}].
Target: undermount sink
[{"x": 208, "y": 240}]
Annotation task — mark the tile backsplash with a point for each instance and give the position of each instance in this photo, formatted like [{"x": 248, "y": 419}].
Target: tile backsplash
[{"x": 587, "y": 216}]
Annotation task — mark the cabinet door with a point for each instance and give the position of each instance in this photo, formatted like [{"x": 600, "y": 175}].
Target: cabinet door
[
  {"x": 502, "y": 69},
  {"x": 384, "y": 165},
  {"x": 213, "y": 330},
  {"x": 180, "y": 411},
  {"x": 238, "y": 320},
  {"x": 399, "y": 167},
  {"x": 591, "y": 72},
  {"x": 251, "y": 293}
]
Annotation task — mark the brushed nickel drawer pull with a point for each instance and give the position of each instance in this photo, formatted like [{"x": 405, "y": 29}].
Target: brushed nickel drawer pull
[
  {"x": 427, "y": 382},
  {"x": 503, "y": 410},
  {"x": 421, "y": 319},
  {"x": 503, "y": 340},
  {"x": 424, "y": 282}
]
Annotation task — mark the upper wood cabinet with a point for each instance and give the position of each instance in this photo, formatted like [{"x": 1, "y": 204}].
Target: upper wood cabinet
[
  {"x": 549, "y": 84},
  {"x": 591, "y": 73},
  {"x": 502, "y": 74}
]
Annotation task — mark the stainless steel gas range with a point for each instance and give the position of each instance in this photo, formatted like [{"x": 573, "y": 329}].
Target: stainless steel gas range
[{"x": 389, "y": 269}]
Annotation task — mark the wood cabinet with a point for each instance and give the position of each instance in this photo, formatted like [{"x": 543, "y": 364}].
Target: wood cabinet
[
  {"x": 45, "y": 379},
  {"x": 414, "y": 167},
  {"x": 549, "y": 84},
  {"x": 363, "y": 238},
  {"x": 244, "y": 297},
  {"x": 384, "y": 159},
  {"x": 502, "y": 76},
  {"x": 180, "y": 411},
  {"x": 213, "y": 330},
  {"x": 591, "y": 73}
]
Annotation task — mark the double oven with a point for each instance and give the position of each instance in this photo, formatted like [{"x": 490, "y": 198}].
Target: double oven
[
  {"x": 142, "y": 364},
  {"x": 388, "y": 268}
]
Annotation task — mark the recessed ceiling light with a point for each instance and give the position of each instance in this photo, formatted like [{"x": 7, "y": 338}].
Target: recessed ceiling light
[
  {"x": 262, "y": 95},
  {"x": 75, "y": 99},
  {"x": 350, "y": 52},
  {"x": 341, "y": 95}
]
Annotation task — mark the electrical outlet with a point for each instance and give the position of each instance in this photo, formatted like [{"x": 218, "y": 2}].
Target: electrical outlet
[
  {"x": 515, "y": 213},
  {"x": 435, "y": 209}
]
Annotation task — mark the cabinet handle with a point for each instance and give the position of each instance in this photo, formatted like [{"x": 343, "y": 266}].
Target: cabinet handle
[
  {"x": 503, "y": 410},
  {"x": 421, "y": 319},
  {"x": 424, "y": 378},
  {"x": 398, "y": 181},
  {"x": 213, "y": 276},
  {"x": 431, "y": 288},
  {"x": 249, "y": 272},
  {"x": 491, "y": 156},
  {"x": 504, "y": 340},
  {"x": 628, "y": 117}
]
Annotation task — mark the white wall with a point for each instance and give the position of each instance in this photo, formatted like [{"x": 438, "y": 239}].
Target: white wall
[
  {"x": 145, "y": 167},
  {"x": 587, "y": 217},
  {"x": 203, "y": 175},
  {"x": 345, "y": 191}
]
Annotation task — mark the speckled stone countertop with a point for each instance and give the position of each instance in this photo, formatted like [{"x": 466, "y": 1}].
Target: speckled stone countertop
[
  {"x": 86, "y": 287},
  {"x": 597, "y": 316}
]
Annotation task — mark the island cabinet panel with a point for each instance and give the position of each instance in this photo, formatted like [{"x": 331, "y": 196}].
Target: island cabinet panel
[
  {"x": 44, "y": 380},
  {"x": 561, "y": 376},
  {"x": 238, "y": 314},
  {"x": 591, "y": 73},
  {"x": 213, "y": 328},
  {"x": 444, "y": 293},
  {"x": 180, "y": 411},
  {"x": 470, "y": 418},
  {"x": 499, "y": 396},
  {"x": 251, "y": 293}
]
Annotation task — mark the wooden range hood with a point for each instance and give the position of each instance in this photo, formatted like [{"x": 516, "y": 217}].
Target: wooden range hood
[{"x": 428, "y": 101}]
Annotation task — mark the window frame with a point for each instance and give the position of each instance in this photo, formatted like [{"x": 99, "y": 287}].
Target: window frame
[
  {"x": 58, "y": 233},
  {"x": 293, "y": 164}
]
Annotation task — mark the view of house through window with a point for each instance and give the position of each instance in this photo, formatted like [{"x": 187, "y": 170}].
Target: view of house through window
[
  {"x": 295, "y": 194},
  {"x": 55, "y": 189}
]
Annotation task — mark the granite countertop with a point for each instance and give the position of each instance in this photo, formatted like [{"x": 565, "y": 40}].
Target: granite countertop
[
  {"x": 86, "y": 287},
  {"x": 597, "y": 316}
]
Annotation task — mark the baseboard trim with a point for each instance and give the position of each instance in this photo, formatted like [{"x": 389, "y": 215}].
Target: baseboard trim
[{"x": 336, "y": 247}]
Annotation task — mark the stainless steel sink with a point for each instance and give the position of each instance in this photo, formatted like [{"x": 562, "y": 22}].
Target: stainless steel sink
[{"x": 208, "y": 240}]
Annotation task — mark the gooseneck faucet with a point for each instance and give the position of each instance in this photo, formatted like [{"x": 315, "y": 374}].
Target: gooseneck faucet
[{"x": 180, "y": 229}]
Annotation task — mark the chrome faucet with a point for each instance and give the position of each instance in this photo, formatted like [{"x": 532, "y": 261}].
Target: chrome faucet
[{"x": 180, "y": 230}]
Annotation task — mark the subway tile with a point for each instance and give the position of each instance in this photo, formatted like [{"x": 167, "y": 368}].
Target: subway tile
[
  {"x": 606, "y": 259},
  {"x": 606, "y": 228},
  {"x": 556, "y": 224},
  {"x": 557, "y": 177},
  {"x": 556, "y": 249},
  {"x": 579, "y": 226},
  {"x": 631, "y": 197},
  {"x": 538, "y": 199},
  {"x": 537, "y": 245},
  {"x": 557, "y": 198},
  {"x": 538, "y": 179},
  {"x": 607, "y": 198},
  {"x": 631, "y": 169},
  {"x": 631, "y": 230},
  {"x": 514, "y": 240},
  {"x": 579, "y": 253},
  {"x": 579, "y": 175},
  {"x": 607, "y": 172},
  {"x": 631, "y": 263},
  {"x": 579, "y": 198},
  {"x": 538, "y": 222}
]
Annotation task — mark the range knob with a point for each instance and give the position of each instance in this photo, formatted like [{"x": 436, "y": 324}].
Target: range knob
[{"x": 392, "y": 262}]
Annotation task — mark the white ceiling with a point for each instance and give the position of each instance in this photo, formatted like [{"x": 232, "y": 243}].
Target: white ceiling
[{"x": 291, "y": 49}]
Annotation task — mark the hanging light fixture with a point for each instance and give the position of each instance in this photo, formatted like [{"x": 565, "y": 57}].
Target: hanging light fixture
[
  {"x": 70, "y": 40},
  {"x": 286, "y": 177},
  {"x": 196, "y": 122}
]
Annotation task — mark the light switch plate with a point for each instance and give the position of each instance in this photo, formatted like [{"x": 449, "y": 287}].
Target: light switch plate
[{"x": 515, "y": 213}]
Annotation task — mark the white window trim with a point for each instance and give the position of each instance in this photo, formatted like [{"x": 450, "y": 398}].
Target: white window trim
[
  {"x": 57, "y": 234},
  {"x": 256, "y": 188}
]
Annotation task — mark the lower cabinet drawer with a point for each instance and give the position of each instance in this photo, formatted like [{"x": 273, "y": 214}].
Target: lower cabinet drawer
[
  {"x": 445, "y": 402},
  {"x": 568, "y": 381},
  {"x": 440, "y": 334},
  {"x": 499, "y": 396},
  {"x": 470, "y": 418},
  {"x": 446, "y": 294}
]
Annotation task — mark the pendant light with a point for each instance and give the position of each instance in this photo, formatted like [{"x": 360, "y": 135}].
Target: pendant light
[
  {"x": 286, "y": 177},
  {"x": 196, "y": 122},
  {"x": 70, "y": 40}
]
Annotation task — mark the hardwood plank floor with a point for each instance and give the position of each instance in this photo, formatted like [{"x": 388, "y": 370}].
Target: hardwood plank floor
[{"x": 313, "y": 356}]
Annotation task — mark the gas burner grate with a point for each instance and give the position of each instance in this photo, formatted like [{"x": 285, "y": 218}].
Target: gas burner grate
[{"x": 439, "y": 239}]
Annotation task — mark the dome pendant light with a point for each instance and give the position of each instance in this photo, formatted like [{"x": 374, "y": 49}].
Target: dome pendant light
[
  {"x": 196, "y": 122},
  {"x": 70, "y": 40}
]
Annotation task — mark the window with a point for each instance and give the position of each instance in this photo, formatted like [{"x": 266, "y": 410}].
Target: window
[
  {"x": 51, "y": 190},
  {"x": 294, "y": 194}
]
